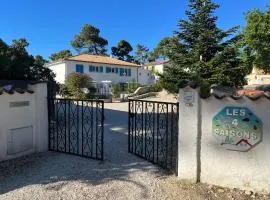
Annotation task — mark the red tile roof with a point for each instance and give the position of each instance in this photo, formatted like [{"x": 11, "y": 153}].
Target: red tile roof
[{"x": 100, "y": 59}]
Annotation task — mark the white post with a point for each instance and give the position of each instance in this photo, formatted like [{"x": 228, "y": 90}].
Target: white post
[
  {"x": 41, "y": 117},
  {"x": 189, "y": 135}
]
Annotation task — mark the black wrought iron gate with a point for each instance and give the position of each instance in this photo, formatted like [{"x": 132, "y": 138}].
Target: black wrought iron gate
[
  {"x": 76, "y": 127},
  {"x": 153, "y": 132}
]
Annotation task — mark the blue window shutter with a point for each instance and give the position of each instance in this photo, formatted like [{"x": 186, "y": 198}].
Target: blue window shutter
[
  {"x": 79, "y": 68},
  {"x": 121, "y": 71},
  {"x": 129, "y": 72},
  {"x": 82, "y": 69},
  {"x": 108, "y": 69},
  {"x": 101, "y": 69},
  {"x": 90, "y": 68},
  {"x": 116, "y": 70}
]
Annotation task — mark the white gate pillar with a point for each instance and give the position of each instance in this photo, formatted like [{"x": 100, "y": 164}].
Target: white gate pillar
[
  {"x": 40, "y": 108},
  {"x": 189, "y": 135}
]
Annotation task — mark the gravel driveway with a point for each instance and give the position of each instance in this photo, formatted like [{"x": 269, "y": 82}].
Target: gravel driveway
[
  {"x": 122, "y": 175},
  {"x": 59, "y": 176}
]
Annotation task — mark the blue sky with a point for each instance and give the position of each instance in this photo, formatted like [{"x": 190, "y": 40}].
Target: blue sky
[{"x": 50, "y": 25}]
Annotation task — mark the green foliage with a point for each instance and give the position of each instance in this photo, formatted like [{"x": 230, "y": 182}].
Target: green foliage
[
  {"x": 74, "y": 85},
  {"x": 257, "y": 39},
  {"x": 201, "y": 52},
  {"x": 116, "y": 89},
  {"x": 89, "y": 41},
  {"x": 60, "y": 55},
  {"x": 157, "y": 87},
  {"x": 17, "y": 64},
  {"x": 142, "y": 54},
  {"x": 165, "y": 48},
  {"x": 64, "y": 91},
  {"x": 122, "y": 50}
]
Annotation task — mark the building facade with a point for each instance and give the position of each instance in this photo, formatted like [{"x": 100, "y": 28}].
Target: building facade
[
  {"x": 257, "y": 77},
  {"x": 156, "y": 67},
  {"x": 101, "y": 69}
]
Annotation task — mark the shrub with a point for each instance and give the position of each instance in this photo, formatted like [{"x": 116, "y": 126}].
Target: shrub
[
  {"x": 63, "y": 91},
  {"x": 74, "y": 85}
]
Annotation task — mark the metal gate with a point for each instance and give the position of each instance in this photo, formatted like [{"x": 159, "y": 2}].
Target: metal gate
[
  {"x": 153, "y": 132},
  {"x": 76, "y": 127}
]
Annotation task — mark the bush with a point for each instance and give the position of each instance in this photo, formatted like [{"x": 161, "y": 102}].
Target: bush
[
  {"x": 74, "y": 85},
  {"x": 63, "y": 91},
  {"x": 116, "y": 90}
]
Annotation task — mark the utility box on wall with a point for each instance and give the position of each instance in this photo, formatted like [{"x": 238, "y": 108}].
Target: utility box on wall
[{"x": 20, "y": 140}]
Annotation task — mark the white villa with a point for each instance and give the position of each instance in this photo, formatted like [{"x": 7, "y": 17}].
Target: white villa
[{"x": 101, "y": 69}]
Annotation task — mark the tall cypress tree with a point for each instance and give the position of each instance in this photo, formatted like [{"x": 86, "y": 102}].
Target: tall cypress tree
[{"x": 201, "y": 52}]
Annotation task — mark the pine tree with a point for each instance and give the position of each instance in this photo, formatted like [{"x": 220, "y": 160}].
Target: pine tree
[
  {"x": 200, "y": 51},
  {"x": 89, "y": 41},
  {"x": 122, "y": 51}
]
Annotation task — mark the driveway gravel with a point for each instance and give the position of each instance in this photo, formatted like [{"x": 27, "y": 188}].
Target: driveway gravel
[{"x": 121, "y": 175}]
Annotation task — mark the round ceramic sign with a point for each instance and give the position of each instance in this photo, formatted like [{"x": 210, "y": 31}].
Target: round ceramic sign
[{"x": 237, "y": 128}]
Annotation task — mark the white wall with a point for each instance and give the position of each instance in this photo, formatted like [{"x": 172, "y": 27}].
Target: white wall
[
  {"x": 145, "y": 77},
  {"x": 98, "y": 76},
  {"x": 246, "y": 170},
  {"x": 202, "y": 158},
  {"x": 158, "y": 68},
  {"x": 60, "y": 71},
  {"x": 24, "y": 129}
]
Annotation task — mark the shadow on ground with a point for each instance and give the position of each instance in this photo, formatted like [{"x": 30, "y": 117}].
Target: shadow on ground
[{"x": 53, "y": 170}]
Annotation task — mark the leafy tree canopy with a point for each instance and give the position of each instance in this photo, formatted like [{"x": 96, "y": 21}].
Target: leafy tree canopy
[
  {"x": 142, "y": 54},
  {"x": 17, "y": 64},
  {"x": 89, "y": 41},
  {"x": 61, "y": 55},
  {"x": 257, "y": 39},
  {"x": 165, "y": 48},
  {"x": 199, "y": 51},
  {"x": 122, "y": 51}
]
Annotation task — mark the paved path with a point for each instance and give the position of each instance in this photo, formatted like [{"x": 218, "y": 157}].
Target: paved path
[{"x": 59, "y": 176}]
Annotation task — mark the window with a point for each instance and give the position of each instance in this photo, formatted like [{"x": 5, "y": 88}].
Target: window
[
  {"x": 121, "y": 72},
  {"x": 91, "y": 68},
  {"x": 95, "y": 69},
  {"x": 79, "y": 68},
  {"x": 125, "y": 72},
  {"x": 108, "y": 69},
  {"x": 115, "y": 70}
]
